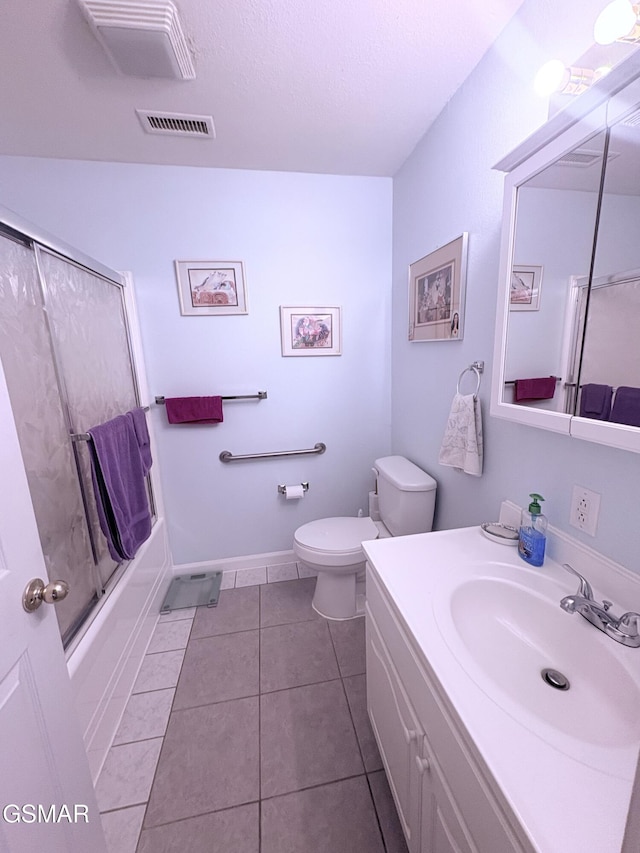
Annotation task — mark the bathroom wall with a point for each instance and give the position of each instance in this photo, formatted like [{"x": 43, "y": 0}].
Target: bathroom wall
[
  {"x": 447, "y": 186},
  {"x": 308, "y": 240}
]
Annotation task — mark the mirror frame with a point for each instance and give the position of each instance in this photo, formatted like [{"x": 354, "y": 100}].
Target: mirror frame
[{"x": 600, "y": 107}]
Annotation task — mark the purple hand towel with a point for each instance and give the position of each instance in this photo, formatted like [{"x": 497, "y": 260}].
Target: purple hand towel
[
  {"x": 535, "y": 389},
  {"x": 626, "y": 406},
  {"x": 595, "y": 401},
  {"x": 139, "y": 421},
  {"x": 194, "y": 410},
  {"x": 121, "y": 494}
]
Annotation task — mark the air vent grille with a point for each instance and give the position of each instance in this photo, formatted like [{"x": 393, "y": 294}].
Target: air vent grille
[
  {"x": 633, "y": 120},
  {"x": 580, "y": 158},
  {"x": 583, "y": 158},
  {"x": 177, "y": 124}
]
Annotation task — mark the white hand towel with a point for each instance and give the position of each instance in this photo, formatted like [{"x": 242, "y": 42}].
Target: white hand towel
[{"x": 462, "y": 442}]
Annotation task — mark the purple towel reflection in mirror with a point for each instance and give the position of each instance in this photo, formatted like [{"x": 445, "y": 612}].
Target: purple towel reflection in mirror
[
  {"x": 542, "y": 388},
  {"x": 595, "y": 401},
  {"x": 626, "y": 406}
]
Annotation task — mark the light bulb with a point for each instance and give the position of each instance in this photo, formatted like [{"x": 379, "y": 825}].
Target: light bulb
[
  {"x": 614, "y": 22},
  {"x": 550, "y": 77}
]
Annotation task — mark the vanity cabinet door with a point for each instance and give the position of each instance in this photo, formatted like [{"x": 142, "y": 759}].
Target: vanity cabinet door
[
  {"x": 443, "y": 829},
  {"x": 397, "y": 732}
]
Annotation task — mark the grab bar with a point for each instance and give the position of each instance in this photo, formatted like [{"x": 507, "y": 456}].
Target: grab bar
[
  {"x": 227, "y": 456},
  {"x": 261, "y": 395}
]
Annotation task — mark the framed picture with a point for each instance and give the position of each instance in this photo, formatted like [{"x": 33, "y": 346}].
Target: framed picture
[
  {"x": 526, "y": 283},
  {"x": 211, "y": 287},
  {"x": 436, "y": 293},
  {"x": 310, "y": 331}
]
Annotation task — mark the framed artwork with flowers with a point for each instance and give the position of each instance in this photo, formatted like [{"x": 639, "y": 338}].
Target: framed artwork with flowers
[{"x": 310, "y": 331}]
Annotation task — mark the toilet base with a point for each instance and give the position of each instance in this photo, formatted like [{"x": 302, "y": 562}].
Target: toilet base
[{"x": 339, "y": 596}]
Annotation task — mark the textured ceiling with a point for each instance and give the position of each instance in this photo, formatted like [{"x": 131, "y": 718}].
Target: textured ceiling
[{"x": 331, "y": 86}]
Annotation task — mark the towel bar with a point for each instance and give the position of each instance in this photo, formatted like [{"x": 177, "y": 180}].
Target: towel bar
[
  {"x": 84, "y": 436},
  {"x": 227, "y": 456},
  {"x": 557, "y": 378},
  {"x": 261, "y": 395}
]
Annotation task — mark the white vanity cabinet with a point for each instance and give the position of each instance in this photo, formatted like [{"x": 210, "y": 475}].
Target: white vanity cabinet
[{"x": 445, "y": 801}]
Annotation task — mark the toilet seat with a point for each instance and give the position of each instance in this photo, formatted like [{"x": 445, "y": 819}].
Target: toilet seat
[{"x": 334, "y": 541}]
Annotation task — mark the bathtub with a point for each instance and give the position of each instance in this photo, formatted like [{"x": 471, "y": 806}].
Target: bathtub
[{"x": 104, "y": 663}]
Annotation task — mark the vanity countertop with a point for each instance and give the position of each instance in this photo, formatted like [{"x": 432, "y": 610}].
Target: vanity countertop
[{"x": 564, "y": 761}]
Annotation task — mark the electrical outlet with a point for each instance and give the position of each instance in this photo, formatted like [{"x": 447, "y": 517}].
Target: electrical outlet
[{"x": 585, "y": 508}]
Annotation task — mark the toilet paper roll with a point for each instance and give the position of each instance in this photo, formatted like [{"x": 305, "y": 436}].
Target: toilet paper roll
[{"x": 294, "y": 493}]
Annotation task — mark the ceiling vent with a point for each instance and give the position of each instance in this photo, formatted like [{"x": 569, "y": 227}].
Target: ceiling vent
[
  {"x": 580, "y": 158},
  {"x": 142, "y": 39},
  {"x": 177, "y": 124},
  {"x": 632, "y": 120},
  {"x": 583, "y": 158}
]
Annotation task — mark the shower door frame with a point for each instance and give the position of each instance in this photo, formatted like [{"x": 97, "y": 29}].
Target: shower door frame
[{"x": 14, "y": 227}]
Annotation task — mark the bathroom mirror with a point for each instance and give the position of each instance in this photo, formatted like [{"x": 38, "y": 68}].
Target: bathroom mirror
[{"x": 568, "y": 319}]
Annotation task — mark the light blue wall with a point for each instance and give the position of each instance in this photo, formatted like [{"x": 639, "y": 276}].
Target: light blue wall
[
  {"x": 447, "y": 186},
  {"x": 312, "y": 239},
  {"x": 308, "y": 240}
]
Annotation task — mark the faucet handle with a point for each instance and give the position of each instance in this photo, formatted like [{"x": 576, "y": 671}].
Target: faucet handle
[
  {"x": 585, "y": 587},
  {"x": 628, "y": 624}
]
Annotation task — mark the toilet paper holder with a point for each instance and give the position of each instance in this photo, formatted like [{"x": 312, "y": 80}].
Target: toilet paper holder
[{"x": 282, "y": 490}]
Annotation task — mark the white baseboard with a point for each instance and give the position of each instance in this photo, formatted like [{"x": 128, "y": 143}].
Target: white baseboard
[{"x": 234, "y": 564}]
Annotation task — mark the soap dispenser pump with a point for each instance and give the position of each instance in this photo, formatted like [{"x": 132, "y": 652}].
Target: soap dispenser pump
[{"x": 533, "y": 532}]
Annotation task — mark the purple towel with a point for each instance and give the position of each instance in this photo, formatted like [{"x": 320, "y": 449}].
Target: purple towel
[
  {"x": 626, "y": 406},
  {"x": 595, "y": 401},
  {"x": 139, "y": 421},
  {"x": 194, "y": 410},
  {"x": 535, "y": 389},
  {"x": 121, "y": 493}
]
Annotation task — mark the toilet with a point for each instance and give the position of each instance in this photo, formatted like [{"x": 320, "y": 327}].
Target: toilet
[{"x": 332, "y": 547}]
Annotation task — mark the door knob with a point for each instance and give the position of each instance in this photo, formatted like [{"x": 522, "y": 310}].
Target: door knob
[{"x": 37, "y": 591}]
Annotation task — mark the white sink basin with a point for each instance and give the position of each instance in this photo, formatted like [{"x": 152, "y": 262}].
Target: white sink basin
[{"x": 504, "y": 633}]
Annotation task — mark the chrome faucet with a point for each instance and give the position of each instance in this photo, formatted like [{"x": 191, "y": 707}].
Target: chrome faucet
[{"x": 624, "y": 630}]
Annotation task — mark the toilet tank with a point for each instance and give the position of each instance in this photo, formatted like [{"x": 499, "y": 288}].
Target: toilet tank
[{"x": 406, "y": 496}]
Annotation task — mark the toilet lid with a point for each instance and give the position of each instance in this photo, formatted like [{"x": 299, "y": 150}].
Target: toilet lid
[{"x": 336, "y": 534}]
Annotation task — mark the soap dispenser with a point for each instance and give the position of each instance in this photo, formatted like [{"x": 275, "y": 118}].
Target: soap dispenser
[{"x": 533, "y": 532}]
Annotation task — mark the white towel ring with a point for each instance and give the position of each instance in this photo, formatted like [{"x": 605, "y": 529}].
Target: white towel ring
[{"x": 477, "y": 370}]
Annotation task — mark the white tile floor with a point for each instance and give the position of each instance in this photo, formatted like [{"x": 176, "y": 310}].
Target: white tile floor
[
  {"x": 127, "y": 775},
  {"x": 288, "y": 693}
]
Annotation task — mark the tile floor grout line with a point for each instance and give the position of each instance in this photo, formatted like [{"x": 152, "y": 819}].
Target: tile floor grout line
[
  {"x": 375, "y": 811},
  {"x": 223, "y": 634},
  {"x": 259, "y": 722},
  {"x": 205, "y": 814},
  {"x": 155, "y": 772},
  {"x": 353, "y": 722},
  {"x": 316, "y": 785}
]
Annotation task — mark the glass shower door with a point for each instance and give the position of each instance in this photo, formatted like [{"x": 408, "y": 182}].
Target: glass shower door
[
  {"x": 65, "y": 349},
  {"x": 90, "y": 342},
  {"x": 25, "y": 350}
]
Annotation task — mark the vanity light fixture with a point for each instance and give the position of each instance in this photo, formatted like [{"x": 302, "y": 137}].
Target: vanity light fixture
[
  {"x": 618, "y": 21},
  {"x": 556, "y": 77}
]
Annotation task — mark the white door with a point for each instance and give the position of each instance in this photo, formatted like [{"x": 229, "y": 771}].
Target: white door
[{"x": 47, "y": 801}]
